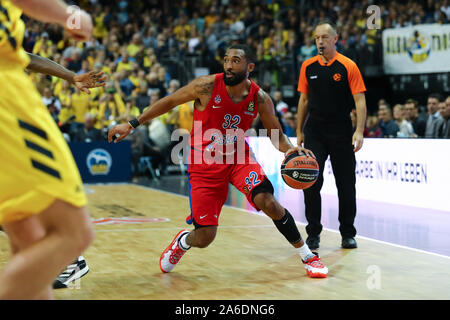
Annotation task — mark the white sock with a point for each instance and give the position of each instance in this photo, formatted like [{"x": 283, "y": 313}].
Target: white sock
[
  {"x": 305, "y": 252},
  {"x": 182, "y": 242}
]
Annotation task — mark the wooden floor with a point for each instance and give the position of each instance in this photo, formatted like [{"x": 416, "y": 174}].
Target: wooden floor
[{"x": 248, "y": 260}]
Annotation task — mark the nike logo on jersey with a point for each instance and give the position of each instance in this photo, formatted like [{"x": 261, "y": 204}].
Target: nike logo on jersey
[
  {"x": 201, "y": 217},
  {"x": 216, "y": 107},
  {"x": 313, "y": 77}
]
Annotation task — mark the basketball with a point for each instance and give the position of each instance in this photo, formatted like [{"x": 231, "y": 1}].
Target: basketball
[{"x": 299, "y": 171}]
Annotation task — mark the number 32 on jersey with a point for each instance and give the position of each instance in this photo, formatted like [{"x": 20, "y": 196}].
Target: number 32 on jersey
[{"x": 252, "y": 180}]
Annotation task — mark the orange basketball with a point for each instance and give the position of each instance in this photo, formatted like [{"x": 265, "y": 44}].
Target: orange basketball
[{"x": 299, "y": 171}]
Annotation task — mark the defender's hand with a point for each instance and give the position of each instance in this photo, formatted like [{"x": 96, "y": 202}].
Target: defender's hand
[
  {"x": 300, "y": 150},
  {"x": 123, "y": 130},
  {"x": 89, "y": 80}
]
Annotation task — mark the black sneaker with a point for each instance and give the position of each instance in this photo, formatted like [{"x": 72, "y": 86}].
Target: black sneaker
[
  {"x": 73, "y": 272},
  {"x": 349, "y": 243},
  {"x": 313, "y": 242}
]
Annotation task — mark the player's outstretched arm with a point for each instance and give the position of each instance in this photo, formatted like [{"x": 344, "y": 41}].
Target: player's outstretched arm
[
  {"x": 198, "y": 89},
  {"x": 280, "y": 141},
  {"x": 78, "y": 24},
  {"x": 49, "y": 67},
  {"x": 50, "y": 11}
]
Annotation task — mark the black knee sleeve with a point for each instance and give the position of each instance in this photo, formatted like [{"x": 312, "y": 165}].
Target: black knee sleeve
[
  {"x": 288, "y": 228},
  {"x": 265, "y": 186}
]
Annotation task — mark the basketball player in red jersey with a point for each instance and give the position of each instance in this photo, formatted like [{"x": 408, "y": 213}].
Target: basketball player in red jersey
[{"x": 225, "y": 106}]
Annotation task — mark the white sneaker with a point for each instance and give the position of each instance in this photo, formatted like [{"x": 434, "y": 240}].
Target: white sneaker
[
  {"x": 73, "y": 272},
  {"x": 172, "y": 254}
]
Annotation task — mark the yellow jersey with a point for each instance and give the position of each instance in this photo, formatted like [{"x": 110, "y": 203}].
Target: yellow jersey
[
  {"x": 12, "y": 29},
  {"x": 186, "y": 116},
  {"x": 80, "y": 105}
]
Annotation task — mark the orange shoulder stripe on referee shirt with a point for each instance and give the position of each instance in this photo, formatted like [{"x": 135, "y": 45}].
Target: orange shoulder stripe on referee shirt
[
  {"x": 302, "y": 81},
  {"x": 355, "y": 80}
]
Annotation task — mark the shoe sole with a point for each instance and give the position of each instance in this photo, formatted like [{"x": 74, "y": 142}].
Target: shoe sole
[
  {"x": 168, "y": 248},
  {"x": 316, "y": 274},
  {"x": 313, "y": 272}
]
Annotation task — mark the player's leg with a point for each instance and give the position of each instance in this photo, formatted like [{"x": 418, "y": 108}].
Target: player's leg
[
  {"x": 343, "y": 163},
  {"x": 201, "y": 236},
  {"x": 29, "y": 231},
  {"x": 251, "y": 180},
  {"x": 206, "y": 197},
  {"x": 23, "y": 234},
  {"x": 312, "y": 198},
  {"x": 31, "y": 271},
  {"x": 40, "y": 179},
  {"x": 32, "y": 231}
]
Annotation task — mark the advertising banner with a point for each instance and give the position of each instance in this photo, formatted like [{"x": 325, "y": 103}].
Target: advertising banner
[
  {"x": 103, "y": 162},
  {"x": 412, "y": 172},
  {"x": 417, "y": 49}
]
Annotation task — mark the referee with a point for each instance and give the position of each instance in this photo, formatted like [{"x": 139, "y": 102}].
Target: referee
[{"x": 331, "y": 86}]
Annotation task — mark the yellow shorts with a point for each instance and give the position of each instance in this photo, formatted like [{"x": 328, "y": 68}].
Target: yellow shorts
[{"x": 36, "y": 165}]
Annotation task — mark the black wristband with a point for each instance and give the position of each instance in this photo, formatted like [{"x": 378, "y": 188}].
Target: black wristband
[{"x": 134, "y": 123}]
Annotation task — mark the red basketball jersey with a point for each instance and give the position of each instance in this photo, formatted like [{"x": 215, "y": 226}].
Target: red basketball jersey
[{"x": 222, "y": 125}]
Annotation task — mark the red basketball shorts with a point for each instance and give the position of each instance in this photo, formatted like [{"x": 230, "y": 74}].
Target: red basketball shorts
[{"x": 208, "y": 188}]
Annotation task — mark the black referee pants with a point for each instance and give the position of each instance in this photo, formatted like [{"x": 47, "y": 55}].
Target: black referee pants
[{"x": 339, "y": 148}]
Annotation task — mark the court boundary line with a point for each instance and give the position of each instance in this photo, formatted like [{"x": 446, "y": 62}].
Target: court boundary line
[{"x": 297, "y": 222}]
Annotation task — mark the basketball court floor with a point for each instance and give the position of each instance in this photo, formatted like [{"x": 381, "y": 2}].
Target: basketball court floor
[{"x": 403, "y": 253}]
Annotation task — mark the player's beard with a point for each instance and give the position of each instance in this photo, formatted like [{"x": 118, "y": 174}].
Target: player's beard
[{"x": 235, "y": 79}]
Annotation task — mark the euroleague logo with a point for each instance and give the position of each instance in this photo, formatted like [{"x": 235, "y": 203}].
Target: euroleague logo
[{"x": 337, "y": 77}]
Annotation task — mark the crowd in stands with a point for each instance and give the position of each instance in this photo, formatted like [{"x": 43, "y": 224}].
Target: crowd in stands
[
  {"x": 406, "y": 121},
  {"x": 148, "y": 49}
]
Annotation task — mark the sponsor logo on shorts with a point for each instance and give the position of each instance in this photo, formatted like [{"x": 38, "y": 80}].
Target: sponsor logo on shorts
[{"x": 99, "y": 162}]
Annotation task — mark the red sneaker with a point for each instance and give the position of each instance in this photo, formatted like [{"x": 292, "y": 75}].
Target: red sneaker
[
  {"x": 315, "y": 268},
  {"x": 173, "y": 253}
]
